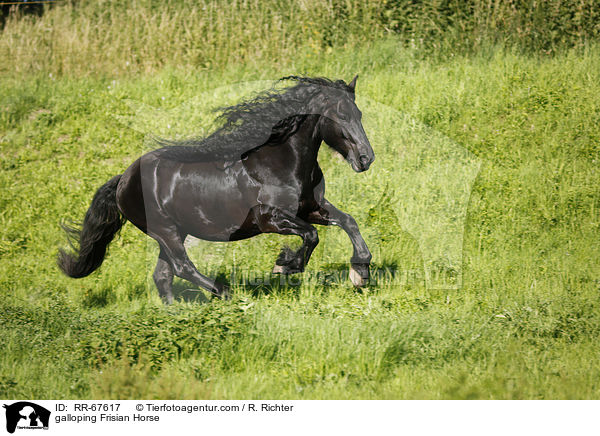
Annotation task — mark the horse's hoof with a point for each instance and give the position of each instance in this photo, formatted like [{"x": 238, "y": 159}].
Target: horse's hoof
[
  {"x": 167, "y": 299},
  {"x": 287, "y": 270},
  {"x": 357, "y": 278},
  {"x": 225, "y": 293}
]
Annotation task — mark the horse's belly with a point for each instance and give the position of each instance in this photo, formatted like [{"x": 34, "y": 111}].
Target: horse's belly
[{"x": 211, "y": 203}]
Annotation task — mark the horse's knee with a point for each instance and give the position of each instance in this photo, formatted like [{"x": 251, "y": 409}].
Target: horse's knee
[
  {"x": 160, "y": 279},
  {"x": 163, "y": 274}
]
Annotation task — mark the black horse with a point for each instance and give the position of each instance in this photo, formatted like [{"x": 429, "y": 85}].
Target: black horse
[{"x": 256, "y": 174}]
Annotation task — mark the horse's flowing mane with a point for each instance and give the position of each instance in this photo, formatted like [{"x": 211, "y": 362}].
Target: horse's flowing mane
[{"x": 270, "y": 117}]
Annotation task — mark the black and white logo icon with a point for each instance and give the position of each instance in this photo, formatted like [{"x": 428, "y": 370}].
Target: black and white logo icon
[{"x": 26, "y": 415}]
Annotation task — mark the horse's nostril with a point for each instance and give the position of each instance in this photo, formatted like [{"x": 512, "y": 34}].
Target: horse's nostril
[{"x": 364, "y": 161}]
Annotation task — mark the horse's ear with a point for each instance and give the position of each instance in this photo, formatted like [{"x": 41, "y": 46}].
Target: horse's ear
[{"x": 352, "y": 84}]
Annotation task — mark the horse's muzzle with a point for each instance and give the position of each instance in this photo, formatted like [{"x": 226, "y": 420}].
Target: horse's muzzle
[{"x": 363, "y": 163}]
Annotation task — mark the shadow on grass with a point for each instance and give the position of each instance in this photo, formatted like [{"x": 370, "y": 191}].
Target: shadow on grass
[
  {"x": 183, "y": 292},
  {"x": 329, "y": 276},
  {"x": 257, "y": 287}
]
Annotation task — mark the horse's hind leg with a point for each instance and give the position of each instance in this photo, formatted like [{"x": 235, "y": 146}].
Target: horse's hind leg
[
  {"x": 163, "y": 278},
  {"x": 171, "y": 245}
]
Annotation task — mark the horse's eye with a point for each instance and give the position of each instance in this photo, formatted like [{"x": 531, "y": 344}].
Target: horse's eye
[{"x": 342, "y": 117}]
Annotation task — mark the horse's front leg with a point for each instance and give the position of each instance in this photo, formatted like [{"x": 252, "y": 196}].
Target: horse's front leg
[
  {"x": 273, "y": 220},
  {"x": 327, "y": 215}
]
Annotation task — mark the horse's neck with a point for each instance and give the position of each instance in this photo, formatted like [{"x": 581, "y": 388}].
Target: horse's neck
[
  {"x": 298, "y": 152},
  {"x": 306, "y": 141}
]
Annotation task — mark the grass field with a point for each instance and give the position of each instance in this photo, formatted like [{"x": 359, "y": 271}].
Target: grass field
[{"x": 524, "y": 324}]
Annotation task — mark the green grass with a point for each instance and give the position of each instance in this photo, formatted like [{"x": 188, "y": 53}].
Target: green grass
[{"x": 524, "y": 324}]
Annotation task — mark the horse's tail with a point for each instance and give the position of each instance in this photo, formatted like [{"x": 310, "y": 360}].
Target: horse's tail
[{"x": 102, "y": 221}]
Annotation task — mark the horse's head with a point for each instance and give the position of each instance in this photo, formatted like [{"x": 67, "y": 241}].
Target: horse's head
[{"x": 341, "y": 127}]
